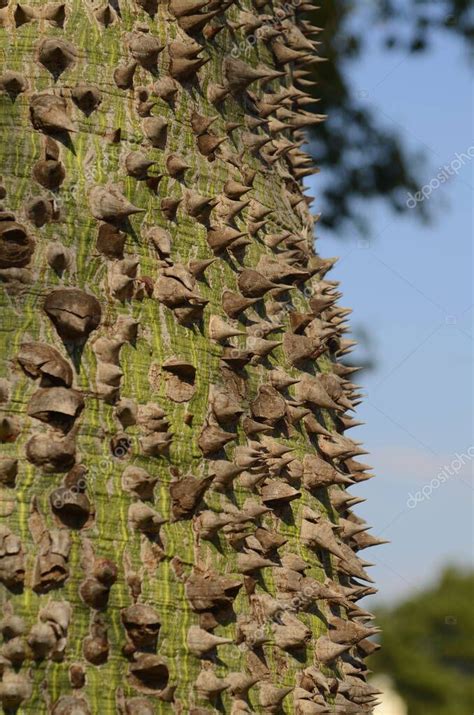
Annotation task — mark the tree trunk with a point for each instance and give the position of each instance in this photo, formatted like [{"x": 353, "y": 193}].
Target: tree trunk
[{"x": 173, "y": 461}]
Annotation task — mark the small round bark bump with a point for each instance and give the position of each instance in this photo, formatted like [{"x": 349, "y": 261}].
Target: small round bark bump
[
  {"x": 16, "y": 246},
  {"x": 12, "y": 626},
  {"x": 94, "y": 593},
  {"x": 9, "y": 428},
  {"x": 13, "y": 83},
  {"x": 96, "y": 645},
  {"x": 110, "y": 241},
  {"x": 77, "y": 676},
  {"x": 52, "y": 453},
  {"x": 42, "y": 640},
  {"x": 14, "y": 690},
  {"x": 49, "y": 173},
  {"x": 149, "y": 673},
  {"x": 87, "y": 97}
]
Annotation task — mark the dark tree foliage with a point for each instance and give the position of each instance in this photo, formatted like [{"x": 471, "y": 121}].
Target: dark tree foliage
[
  {"x": 361, "y": 158},
  {"x": 428, "y": 647}
]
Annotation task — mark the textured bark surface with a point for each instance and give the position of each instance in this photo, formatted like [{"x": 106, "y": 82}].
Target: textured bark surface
[{"x": 175, "y": 531}]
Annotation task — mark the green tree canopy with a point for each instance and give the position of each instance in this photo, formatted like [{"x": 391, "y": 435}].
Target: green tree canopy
[{"x": 428, "y": 647}]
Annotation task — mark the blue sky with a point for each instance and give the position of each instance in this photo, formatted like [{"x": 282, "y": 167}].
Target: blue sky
[{"x": 413, "y": 286}]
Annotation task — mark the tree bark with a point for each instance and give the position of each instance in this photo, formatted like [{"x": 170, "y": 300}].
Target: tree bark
[{"x": 173, "y": 466}]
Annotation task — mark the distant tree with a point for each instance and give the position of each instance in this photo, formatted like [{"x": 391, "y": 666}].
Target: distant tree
[
  {"x": 428, "y": 647},
  {"x": 361, "y": 158}
]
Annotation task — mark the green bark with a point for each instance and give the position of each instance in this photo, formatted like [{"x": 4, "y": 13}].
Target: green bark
[{"x": 115, "y": 443}]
